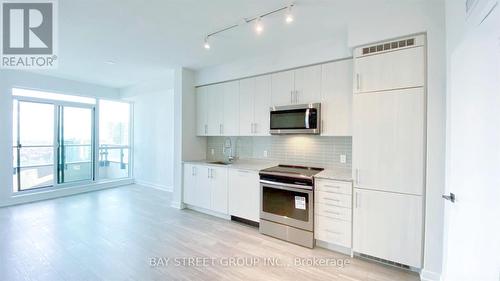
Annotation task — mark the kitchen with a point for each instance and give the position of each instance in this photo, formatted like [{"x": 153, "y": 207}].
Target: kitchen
[{"x": 331, "y": 154}]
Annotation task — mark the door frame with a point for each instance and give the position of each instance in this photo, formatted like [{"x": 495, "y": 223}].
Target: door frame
[{"x": 95, "y": 129}]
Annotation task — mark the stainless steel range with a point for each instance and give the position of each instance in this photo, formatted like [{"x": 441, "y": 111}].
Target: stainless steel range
[{"x": 287, "y": 203}]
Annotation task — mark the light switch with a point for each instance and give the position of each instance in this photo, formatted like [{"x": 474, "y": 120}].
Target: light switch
[{"x": 265, "y": 153}]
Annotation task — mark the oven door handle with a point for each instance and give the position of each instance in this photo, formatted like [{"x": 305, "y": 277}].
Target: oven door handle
[{"x": 287, "y": 186}]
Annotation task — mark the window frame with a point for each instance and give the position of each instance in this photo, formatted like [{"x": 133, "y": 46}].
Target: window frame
[{"x": 95, "y": 140}]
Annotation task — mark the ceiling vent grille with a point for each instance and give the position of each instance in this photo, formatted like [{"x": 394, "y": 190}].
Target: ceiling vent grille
[{"x": 389, "y": 46}]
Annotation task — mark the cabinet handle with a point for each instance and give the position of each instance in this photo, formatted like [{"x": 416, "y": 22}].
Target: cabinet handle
[
  {"x": 333, "y": 232},
  {"x": 332, "y": 186},
  {"x": 206, "y": 129},
  {"x": 358, "y": 81},
  {"x": 221, "y": 129},
  {"x": 291, "y": 96},
  {"x": 212, "y": 173},
  {"x": 296, "y": 96},
  {"x": 255, "y": 128},
  {"x": 193, "y": 171},
  {"x": 331, "y": 199},
  {"x": 332, "y": 212},
  {"x": 208, "y": 174}
]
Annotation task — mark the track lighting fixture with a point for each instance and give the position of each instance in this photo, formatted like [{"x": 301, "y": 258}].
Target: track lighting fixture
[{"x": 257, "y": 21}]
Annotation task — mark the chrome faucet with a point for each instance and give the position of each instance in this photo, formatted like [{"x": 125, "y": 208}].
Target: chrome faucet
[{"x": 228, "y": 151}]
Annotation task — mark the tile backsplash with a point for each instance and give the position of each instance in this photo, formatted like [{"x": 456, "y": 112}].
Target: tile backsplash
[{"x": 305, "y": 150}]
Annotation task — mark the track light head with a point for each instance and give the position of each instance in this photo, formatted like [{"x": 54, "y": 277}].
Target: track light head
[
  {"x": 289, "y": 15},
  {"x": 258, "y": 26},
  {"x": 206, "y": 45}
]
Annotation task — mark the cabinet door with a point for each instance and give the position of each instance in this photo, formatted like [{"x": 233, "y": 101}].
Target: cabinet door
[
  {"x": 244, "y": 194},
  {"x": 388, "y": 141},
  {"x": 230, "y": 124},
  {"x": 308, "y": 84},
  {"x": 189, "y": 190},
  {"x": 336, "y": 98},
  {"x": 218, "y": 186},
  {"x": 282, "y": 88},
  {"x": 246, "y": 106},
  {"x": 388, "y": 226},
  {"x": 389, "y": 71},
  {"x": 201, "y": 111},
  {"x": 262, "y": 103},
  {"x": 215, "y": 101},
  {"x": 203, "y": 187}
]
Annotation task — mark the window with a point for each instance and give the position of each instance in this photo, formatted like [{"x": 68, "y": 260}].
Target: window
[
  {"x": 114, "y": 139},
  {"x": 54, "y": 141}
]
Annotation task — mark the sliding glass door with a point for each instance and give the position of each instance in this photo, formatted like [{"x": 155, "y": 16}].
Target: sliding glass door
[
  {"x": 53, "y": 143},
  {"x": 76, "y": 144},
  {"x": 34, "y": 145}
]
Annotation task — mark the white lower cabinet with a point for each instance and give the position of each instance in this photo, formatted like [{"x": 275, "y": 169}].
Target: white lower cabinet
[
  {"x": 244, "y": 194},
  {"x": 388, "y": 225},
  {"x": 333, "y": 212},
  {"x": 206, "y": 187}
]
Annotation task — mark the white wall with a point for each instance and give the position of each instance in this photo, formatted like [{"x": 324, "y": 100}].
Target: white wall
[
  {"x": 379, "y": 23},
  {"x": 153, "y": 103},
  {"x": 11, "y": 79},
  {"x": 333, "y": 47}
]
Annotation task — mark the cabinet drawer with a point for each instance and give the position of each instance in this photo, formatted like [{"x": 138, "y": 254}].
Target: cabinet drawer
[
  {"x": 333, "y": 186},
  {"x": 336, "y": 199},
  {"x": 332, "y": 231},
  {"x": 334, "y": 212}
]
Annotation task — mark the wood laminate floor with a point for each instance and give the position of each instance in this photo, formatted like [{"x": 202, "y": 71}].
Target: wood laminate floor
[{"x": 117, "y": 234}]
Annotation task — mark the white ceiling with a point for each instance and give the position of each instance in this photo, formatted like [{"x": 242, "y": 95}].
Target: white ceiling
[{"x": 148, "y": 38}]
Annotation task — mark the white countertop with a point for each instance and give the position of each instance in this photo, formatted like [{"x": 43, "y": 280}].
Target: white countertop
[
  {"x": 243, "y": 164},
  {"x": 341, "y": 174}
]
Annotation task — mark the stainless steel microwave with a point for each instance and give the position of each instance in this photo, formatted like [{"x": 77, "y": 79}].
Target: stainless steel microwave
[{"x": 296, "y": 119}]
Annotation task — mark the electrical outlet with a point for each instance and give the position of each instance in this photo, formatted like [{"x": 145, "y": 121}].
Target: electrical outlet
[
  {"x": 343, "y": 158},
  {"x": 265, "y": 153},
  {"x": 212, "y": 151}
]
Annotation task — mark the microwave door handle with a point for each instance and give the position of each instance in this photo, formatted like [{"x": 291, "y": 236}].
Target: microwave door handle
[{"x": 307, "y": 118}]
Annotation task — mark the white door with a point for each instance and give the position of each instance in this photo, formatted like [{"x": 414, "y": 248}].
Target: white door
[
  {"x": 282, "y": 88},
  {"x": 203, "y": 187},
  {"x": 388, "y": 71},
  {"x": 262, "y": 103},
  {"x": 190, "y": 192},
  {"x": 388, "y": 141},
  {"x": 218, "y": 186},
  {"x": 244, "y": 194},
  {"x": 472, "y": 223},
  {"x": 215, "y": 101},
  {"x": 336, "y": 98},
  {"x": 201, "y": 111},
  {"x": 230, "y": 124},
  {"x": 388, "y": 225},
  {"x": 246, "y": 106},
  {"x": 308, "y": 84}
]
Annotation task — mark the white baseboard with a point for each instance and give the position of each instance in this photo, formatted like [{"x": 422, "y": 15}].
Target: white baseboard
[
  {"x": 429, "y": 276},
  {"x": 208, "y": 212},
  {"x": 155, "y": 185},
  {"x": 177, "y": 205}
]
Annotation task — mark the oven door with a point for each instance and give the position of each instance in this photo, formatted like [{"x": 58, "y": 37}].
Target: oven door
[
  {"x": 287, "y": 204},
  {"x": 295, "y": 119}
]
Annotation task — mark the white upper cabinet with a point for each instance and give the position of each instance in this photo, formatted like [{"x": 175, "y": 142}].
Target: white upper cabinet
[
  {"x": 262, "y": 103},
  {"x": 283, "y": 88},
  {"x": 307, "y": 84},
  {"x": 389, "y": 141},
  {"x": 388, "y": 226},
  {"x": 201, "y": 111},
  {"x": 254, "y": 103},
  {"x": 230, "y": 121},
  {"x": 336, "y": 98},
  {"x": 215, "y": 101},
  {"x": 392, "y": 70},
  {"x": 246, "y": 106}
]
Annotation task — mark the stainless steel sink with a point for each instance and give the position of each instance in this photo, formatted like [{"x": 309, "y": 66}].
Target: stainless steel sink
[{"x": 219, "y": 163}]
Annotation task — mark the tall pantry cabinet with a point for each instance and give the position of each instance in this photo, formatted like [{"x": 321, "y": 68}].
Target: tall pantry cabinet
[{"x": 389, "y": 150}]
